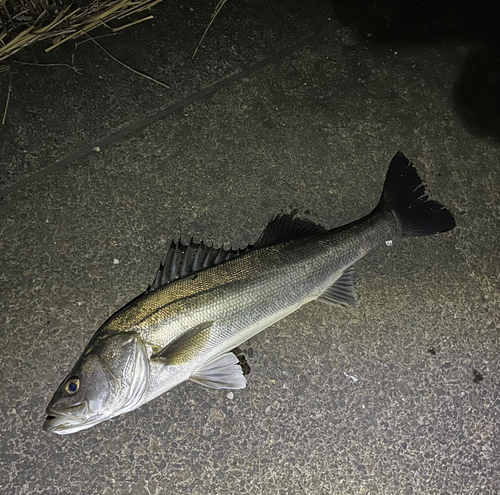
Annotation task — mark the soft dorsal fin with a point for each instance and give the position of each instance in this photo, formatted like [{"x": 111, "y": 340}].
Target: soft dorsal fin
[
  {"x": 342, "y": 292},
  {"x": 287, "y": 227},
  {"x": 182, "y": 260}
]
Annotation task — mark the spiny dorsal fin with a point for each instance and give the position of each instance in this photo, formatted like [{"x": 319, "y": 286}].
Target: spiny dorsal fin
[
  {"x": 182, "y": 260},
  {"x": 342, "y": 292},
  {"x": 287, "y": 227}
]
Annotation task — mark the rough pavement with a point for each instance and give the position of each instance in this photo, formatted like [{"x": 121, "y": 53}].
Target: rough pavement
[{"x": 398, "y": 396}]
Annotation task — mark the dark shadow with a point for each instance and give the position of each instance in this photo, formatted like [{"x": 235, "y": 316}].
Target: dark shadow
[{"x": 476, "y": 93}]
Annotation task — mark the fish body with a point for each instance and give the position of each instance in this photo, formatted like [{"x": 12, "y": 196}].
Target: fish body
[
  {"x": 205, "y": 302},
  {"x": 241, "y": 297}
]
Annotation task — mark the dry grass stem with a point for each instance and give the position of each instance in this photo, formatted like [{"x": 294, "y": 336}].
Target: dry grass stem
[
  {"x": 50, "y": 65},
  {"x": 24, "y": 22},
  {"x": 132, "y": 23},
  {"x": 128, "y": 66},
  {"x": 8, "y": 99},
  {"x": 218, "y": 8}
]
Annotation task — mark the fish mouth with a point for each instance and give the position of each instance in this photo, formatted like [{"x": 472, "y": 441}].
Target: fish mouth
[{"x": 67, "y": 421}]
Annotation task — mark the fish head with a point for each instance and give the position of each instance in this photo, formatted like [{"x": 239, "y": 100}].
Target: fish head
[{"x": 109, "y": 379}]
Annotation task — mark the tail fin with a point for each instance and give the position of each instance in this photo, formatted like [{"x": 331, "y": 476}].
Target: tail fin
[{"x": 405, "y": 194}]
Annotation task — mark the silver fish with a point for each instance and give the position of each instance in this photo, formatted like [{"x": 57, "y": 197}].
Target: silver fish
[{"x": 204, "y": 302}]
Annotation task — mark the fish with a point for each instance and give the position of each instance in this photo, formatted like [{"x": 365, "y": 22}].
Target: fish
[{"x": 206, "y": 301}]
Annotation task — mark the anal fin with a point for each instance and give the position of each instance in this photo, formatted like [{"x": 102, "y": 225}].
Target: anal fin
[
  {"x": 223, "y": 372},
  {"x": 342, "y": 292}
]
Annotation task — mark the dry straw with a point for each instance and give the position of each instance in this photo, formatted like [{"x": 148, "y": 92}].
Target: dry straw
[{"x": 23, "y": 22}]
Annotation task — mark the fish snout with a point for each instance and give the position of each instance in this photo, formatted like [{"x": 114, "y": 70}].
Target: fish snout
[{"x": 58, "y": 420}]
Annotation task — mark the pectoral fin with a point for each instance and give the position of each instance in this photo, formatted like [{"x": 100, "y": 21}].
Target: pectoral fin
[
  {"x": 187, "y": 346},
  {"x": 342, "y": 292},
  {"x": 223, "y": 372}
]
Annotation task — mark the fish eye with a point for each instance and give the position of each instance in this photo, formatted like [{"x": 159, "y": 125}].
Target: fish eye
[{"x": 72, "y": 386}]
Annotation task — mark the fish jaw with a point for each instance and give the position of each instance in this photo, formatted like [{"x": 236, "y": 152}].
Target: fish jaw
[
  {"x": 60, "y": 425},
  {"x": 69, "y": 421}
]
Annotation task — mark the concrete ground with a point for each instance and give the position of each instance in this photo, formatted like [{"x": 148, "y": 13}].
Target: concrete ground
[{"x": 287, "y": 105}]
